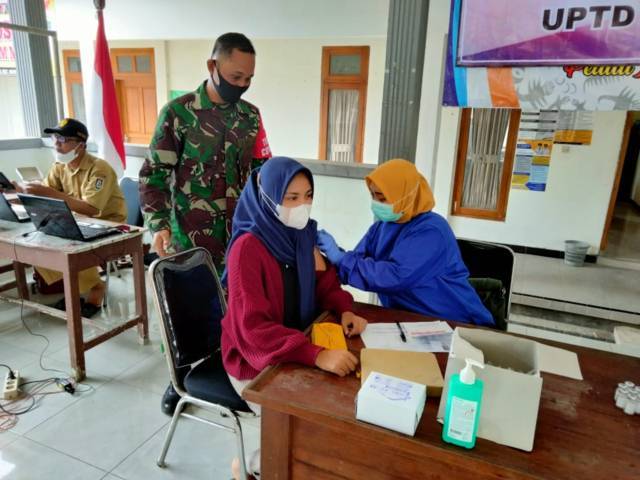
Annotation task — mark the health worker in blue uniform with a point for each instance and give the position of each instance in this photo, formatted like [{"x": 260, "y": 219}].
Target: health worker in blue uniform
[{"x": 409, "y": 256}]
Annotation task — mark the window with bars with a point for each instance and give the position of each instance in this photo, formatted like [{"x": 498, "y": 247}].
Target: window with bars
[
  {"x": 486, "y": 149},
  {"x": 345, "y": 71}
]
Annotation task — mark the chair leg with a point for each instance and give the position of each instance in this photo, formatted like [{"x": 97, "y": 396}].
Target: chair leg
[
  {"x": 170, "y": 432},
  {"x": 115, "y": 267},
  {"x": 106, "y": 286},
  {"x": 240, "y": 447}
]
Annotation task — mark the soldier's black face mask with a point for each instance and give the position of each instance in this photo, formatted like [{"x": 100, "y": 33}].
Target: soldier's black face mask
[{"x": 228, "y": 92}]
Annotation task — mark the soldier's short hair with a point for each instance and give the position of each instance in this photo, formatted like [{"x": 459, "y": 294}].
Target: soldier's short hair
[{"x": 225, "y": 44}]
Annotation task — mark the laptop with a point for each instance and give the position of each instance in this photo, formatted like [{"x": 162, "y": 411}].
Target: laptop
[
  {"x": 12, "y": 213},
  {"x": 29, "y": 174},
  {"x": 5, "y": 183},
  {"x": 54, "y": 217}
]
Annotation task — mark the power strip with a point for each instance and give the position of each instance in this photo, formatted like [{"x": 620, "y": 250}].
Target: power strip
[{"x": 10, "y": 386}]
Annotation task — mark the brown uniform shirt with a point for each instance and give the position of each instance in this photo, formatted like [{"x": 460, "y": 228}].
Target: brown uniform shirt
[{"x": 95, "y": 182}]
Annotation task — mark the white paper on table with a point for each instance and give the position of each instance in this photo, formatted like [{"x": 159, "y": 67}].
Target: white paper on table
[
  {"x": 421, "y": 336},
  {"x": 383, "y": 335}
]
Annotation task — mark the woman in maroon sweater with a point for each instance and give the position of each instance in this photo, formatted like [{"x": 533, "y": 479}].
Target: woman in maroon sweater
[{"x": 278, "y": 282}]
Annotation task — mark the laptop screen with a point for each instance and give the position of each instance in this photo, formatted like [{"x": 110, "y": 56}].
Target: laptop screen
[{"x": 51, "y": 216}]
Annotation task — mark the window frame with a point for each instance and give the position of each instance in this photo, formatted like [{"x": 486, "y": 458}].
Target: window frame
[
  {"x": 500, "y": 212},
  {"x": 343, "y": 82},
  {"x": 71, "y": 78}
]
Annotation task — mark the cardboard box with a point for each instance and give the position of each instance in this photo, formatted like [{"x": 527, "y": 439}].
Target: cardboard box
[
  {"x": 418, "y": 367},
  {"x": 512, "y": 382},
  {"x": 391, "y": 403}
]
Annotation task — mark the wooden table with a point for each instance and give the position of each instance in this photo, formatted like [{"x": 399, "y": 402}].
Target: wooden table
[
  {"x": 309, "y": 430},
  {"x": 25, "y": 246}
]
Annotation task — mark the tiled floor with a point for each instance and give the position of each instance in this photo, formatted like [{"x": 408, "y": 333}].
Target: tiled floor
[
  {"x": 624, "y": 234},
  {"x": 113, "y": 429},
  {"x": 592, "y": 284}
]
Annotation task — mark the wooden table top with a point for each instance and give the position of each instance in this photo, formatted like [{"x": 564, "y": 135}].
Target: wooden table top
[{"x": 580, "y": 433}]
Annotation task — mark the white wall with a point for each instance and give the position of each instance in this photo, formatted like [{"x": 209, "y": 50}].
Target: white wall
[
  {"x": 11, "y": 116},
  {"x": 287, "y": 87},
  {"x": 574, "y": 206},
  {"x": 194, "y": 19},
  {"x": 580, "y": 181},
  {"x": 29, "y": 157},
  {"x": 431, "y": 97}
]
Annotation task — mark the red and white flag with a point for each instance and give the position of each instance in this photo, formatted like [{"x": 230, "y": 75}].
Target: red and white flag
[{"x": 103, "y": 114}]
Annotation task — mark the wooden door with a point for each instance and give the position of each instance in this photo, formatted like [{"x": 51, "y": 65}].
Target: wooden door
[{"x": 134, "y": 74}]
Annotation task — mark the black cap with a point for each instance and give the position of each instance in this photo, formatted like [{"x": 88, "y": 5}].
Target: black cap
[{"x": 69, "y": 127}]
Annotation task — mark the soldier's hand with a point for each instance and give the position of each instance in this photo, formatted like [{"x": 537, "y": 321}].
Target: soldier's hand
[{"x": 161, "y": 242}]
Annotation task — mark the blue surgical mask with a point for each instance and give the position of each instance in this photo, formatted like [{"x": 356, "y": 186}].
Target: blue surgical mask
[{"x": 384, "y": 211}]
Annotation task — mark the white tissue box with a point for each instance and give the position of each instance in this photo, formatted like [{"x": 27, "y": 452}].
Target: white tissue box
[{"x": 391, "y": 402}]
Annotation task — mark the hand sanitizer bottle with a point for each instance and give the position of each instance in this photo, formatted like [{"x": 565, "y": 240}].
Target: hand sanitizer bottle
[{"x": 463, "y": 407}]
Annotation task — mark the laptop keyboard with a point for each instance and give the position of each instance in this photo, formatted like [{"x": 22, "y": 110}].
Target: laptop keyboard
[{"x": 90, "y": 232}]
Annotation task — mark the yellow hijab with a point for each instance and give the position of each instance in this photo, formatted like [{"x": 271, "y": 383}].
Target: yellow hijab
[{"x": 404, "y": 187}]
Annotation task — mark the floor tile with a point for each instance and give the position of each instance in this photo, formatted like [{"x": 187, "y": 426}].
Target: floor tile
[
  {"x": 50, "y": 405},
  {"x": 151, "y": 374},
  {"x": 54, "y": 329},
  {"x": 6, "y": 438},
  {"x": 28, "y": 460},
  {"x": 114, "y": 356},
  {"x": 14, "y": 356},
  {"x": 197, "y": 451},
  {"x": 104, "y": 428}
]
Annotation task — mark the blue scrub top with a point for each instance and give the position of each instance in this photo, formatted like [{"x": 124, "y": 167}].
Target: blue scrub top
[{"x": 415, "y": 266}]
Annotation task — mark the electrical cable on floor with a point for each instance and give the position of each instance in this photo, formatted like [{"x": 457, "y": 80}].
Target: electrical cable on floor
[{"x": 11, "y": 410}]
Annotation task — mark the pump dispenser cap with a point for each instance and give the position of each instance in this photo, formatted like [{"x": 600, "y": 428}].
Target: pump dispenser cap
[{"x": 467, "y": 375}]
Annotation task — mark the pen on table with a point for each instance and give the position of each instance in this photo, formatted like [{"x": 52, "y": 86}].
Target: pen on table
[{"x": 402, "y": 337}]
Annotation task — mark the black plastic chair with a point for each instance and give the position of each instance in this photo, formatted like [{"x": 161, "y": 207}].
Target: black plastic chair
[
  {"x": 488, "y": 264},
  {"x": 189, "y": 298}
]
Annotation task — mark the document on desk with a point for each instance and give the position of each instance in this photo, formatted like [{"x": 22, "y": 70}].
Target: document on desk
[{"x": 421, "y": 336}]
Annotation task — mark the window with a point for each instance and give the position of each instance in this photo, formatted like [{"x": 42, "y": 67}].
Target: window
[
  {"x": 75, "y": 90},
  {"x": 486, "y": 149},
  {"x": 30, "y": 95},
  {"x": 345, "y": 71}
]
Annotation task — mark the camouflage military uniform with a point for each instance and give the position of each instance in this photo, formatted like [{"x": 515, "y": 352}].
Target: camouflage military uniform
[{"x": 200, "y": 156}]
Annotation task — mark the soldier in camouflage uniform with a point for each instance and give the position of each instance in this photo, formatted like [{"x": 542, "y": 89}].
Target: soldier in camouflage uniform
[{"x": 205, "y": 145}]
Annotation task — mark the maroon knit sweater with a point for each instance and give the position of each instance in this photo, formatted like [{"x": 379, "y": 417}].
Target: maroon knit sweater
[{"x": 253, "y": 334}]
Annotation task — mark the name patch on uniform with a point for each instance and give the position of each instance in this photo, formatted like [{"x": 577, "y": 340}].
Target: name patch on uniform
[{"x": 99, "y": 183}]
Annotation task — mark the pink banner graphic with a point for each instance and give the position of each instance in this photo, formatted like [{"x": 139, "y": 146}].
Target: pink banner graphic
[{"x": 553, "y": 32}]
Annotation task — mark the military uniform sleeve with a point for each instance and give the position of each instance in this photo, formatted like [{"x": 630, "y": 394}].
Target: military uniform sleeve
[
  {"x": 261, "y": 149},
  {"x": 98, "y": 187},
  {"x": 53, "y": 179},
  {"x": 156, "y": 173}
]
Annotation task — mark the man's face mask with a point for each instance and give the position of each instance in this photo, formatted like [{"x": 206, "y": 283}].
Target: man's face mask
[
  {"x": 228, "y": 92},
  {"x": 65, "y": 157}
]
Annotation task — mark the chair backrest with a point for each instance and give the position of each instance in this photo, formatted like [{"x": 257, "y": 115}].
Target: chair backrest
[
  {"x": 130, "y": 190},
  {"x": 489, "y": 260},
  {"x": 191, "y": 304}
]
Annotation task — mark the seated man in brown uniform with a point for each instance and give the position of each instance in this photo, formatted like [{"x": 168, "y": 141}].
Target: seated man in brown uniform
[{"x": 90, "y": 187}]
